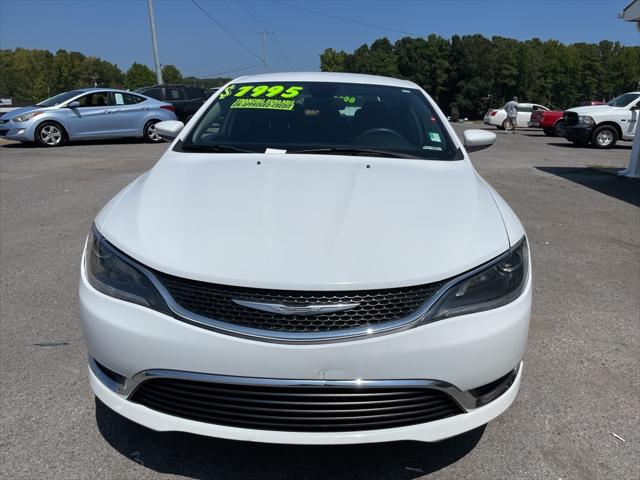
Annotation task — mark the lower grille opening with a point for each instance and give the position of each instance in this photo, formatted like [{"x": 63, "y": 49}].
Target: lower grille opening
[{"x": 295, "y": 408}]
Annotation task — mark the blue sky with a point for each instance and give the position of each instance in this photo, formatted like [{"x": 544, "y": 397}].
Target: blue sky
[{"x": 118, "y": 30}]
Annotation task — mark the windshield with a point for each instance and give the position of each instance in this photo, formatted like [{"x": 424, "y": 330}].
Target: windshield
[
  {"x": 60, "y": 98},
  {"x": 623, "y": 100},
  {"x": 322, "y": 117}
]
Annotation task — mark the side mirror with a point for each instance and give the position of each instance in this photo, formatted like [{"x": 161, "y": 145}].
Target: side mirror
[
  {"x": 635, "y": 107},
  {"x": 476, "y": 139},
  {"x": 74, "y": 104},
  {"x": 169, "y": 129}
]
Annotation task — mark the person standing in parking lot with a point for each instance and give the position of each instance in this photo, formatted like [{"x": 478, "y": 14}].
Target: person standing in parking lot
[{"x": 512, "y": 114}]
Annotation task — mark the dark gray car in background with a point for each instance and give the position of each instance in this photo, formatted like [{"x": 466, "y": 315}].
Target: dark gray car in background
[{"x": 185, "y": 99}]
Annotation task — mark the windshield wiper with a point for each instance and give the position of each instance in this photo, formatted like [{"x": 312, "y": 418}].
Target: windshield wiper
[
  {"x": 216, "y": 148},
  {"x": 365, "y": 152}
]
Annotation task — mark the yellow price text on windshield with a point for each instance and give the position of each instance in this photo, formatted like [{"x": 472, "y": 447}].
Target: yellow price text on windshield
[
  {"x": 257, "y": 91},
  {"x": 264, "y": 103},
  {"x": 347, "y": 98},
  {"x": 227, "y": 91}
]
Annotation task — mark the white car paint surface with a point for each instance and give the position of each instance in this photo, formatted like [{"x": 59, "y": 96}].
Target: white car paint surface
[
  {"x": 297, "y": 223},
  {"x": 178, "y": 220}
]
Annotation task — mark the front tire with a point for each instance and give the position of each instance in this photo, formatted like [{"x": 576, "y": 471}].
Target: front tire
[
  {"x": 150, "y": 135},
  {"x": 558, "y": 127},
  {"x": 50, "y": 134},
  {"x": 605, "y": 136},
  {"x": 549, "y": 132}
]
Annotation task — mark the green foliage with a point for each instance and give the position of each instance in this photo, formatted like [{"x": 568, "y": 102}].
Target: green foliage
[
  {"x": 170, "y": 74},
  {"x": 332, "y": 61},
  {"x": 472, "y": 73},
  {"x": 30, "y": 76},
  {"x": 139, "y": 75}
]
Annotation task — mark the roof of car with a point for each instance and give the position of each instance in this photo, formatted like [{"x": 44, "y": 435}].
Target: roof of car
[
  {"x": 102, "y": 89},
  {"x": 327, "y": 77},
  {"x": 163, "y": 85}
]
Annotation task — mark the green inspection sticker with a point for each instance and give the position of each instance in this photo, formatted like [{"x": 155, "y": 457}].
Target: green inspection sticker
[
  {"x": 264, "y": 103},
  {"x": 434, "y": 137}
]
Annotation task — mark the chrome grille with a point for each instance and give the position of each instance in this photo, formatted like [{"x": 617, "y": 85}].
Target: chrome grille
[{"x": 374, "y": 306}]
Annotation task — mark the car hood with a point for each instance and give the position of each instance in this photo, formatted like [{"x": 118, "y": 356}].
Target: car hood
[
  {"x": 591, "y": 109},
  {"x": 306, "y": 221},
  {"x": 21, "y": 110}
]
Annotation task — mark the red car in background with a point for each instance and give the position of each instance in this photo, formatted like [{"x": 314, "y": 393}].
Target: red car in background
[{"x": 550, "y": 121}]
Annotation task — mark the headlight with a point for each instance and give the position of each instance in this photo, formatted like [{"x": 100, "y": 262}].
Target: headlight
[
  {"x": 25, "y": 117},
  {"x": 586, "y": 119},
  {"x": 113, "y": 273},
  {"x": 497, "y": 284}
]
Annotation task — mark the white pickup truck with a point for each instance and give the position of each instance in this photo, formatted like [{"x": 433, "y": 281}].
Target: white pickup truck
[{"x": 603, "y": 125}]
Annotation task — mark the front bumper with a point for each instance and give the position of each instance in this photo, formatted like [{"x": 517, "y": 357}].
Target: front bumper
[
  {"x": 426, "y": 432},
  {"x": 22, "y": 132},
  {"x": 466, "y": 352},
  {"x": 578, "y": 133}
]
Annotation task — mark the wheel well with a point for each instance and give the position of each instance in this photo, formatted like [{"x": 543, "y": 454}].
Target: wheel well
[
  {"x": 65, "y": 135},
  {"x": 558, "y": 121},
  {"x": 144, "y": 126},
  {"x": 611, "y": 124}
]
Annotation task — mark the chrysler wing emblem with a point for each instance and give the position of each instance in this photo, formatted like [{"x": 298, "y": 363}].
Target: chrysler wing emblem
[{"x": 296, "y": 309}]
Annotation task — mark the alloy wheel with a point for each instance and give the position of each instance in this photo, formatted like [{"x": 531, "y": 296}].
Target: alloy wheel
[
  {"x": 51, "y": 135},
  {"x": 152, "y": 133},
  {"x": 604, "y": 138}
]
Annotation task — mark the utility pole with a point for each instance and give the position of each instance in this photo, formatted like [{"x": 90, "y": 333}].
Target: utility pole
[
  {"x": 264, "y": 48},
  {"x": 154, "y": 42}
]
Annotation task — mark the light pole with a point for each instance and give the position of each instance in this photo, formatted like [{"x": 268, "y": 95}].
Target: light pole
[
  {"x": 154, "y": 42},
  {"x": 631, "y": 13},
  {"x": 264, "y": 48}
]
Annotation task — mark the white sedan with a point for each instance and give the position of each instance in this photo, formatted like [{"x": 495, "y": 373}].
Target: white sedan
[
  {"x": 498, "y": 117},
  {"x": 313, "y": 260}
]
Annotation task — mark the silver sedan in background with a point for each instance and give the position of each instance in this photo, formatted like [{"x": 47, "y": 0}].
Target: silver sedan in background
[{"x": 86, "y": 114}]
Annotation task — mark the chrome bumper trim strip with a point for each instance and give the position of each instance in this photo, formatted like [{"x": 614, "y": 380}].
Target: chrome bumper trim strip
[{"x": 465, "y": 399}]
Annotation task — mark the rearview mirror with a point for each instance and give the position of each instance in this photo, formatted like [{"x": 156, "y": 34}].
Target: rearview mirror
[
  {"x": 476, "y": 139},
  {"x": 74, "y": 104},
  {"x": 169, "y": 129}
]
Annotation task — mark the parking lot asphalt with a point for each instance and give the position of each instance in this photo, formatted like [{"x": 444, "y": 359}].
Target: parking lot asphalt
[{"x": 580, "y": 386}]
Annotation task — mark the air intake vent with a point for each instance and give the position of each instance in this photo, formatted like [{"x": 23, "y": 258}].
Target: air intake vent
[{"x": 296, "y": 408}]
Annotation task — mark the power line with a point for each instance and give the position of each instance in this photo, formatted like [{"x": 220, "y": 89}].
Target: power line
[
  {"x": 264, "y": 47},
  {"x": 226, "y": 31},
  {"x": 255, "y": 14},
  {"x": 242, "y": 17},
  {"x": 286, "y": 64},
  {"x": 230, "y": 70},
  {"x": 335, "y": 17}
]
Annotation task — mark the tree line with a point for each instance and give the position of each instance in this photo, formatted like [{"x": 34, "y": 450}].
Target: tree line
[
  {"x": 468, "y": 74},
  {"x": 29, "y": 76}
]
